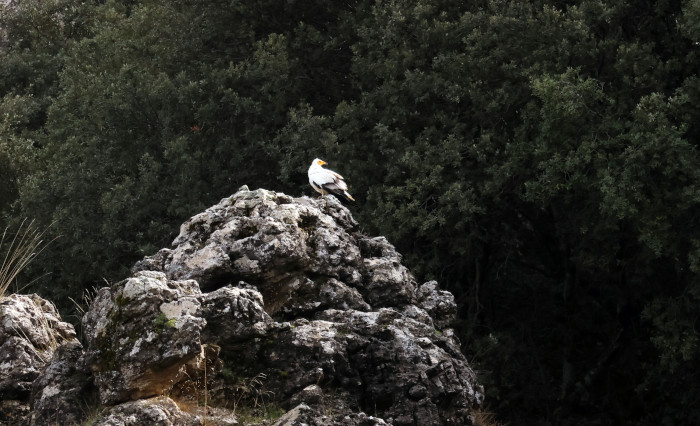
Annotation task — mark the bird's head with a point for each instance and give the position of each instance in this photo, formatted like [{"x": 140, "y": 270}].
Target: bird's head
[{"x": 319, "y": 162}]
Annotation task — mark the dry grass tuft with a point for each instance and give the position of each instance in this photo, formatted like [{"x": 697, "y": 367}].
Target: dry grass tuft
[
  {"x": 23, "y": 247},
  {"x": 485, "y": 418}
]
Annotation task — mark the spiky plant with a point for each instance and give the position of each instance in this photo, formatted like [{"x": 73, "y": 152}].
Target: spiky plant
[{"x": 23, "y": 248}]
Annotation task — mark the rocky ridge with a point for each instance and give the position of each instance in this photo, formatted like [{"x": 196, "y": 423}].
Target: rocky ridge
[{"x": 267, "y": 309}]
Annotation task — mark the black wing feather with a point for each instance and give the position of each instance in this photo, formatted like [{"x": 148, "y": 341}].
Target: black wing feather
[{"x": 339, "y": 193}]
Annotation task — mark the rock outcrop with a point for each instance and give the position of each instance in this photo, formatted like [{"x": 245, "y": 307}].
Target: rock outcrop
[
  {"x": 30, "y": 331},
  {"x": 267, "y": 309}
]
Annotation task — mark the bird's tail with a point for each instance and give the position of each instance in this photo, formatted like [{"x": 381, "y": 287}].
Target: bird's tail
[{"x": 343, "y": 195}]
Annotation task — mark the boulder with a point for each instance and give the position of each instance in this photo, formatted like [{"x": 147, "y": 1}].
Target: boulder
[
  {"x": 163, "y": 411},
  {"x": 269, "y": 309},
  {"x": 289, "y": 249},
  {"x": 142, "y": 334},
  {"x": 64, "y": 388},
  {"x": 30, "y": 331}
]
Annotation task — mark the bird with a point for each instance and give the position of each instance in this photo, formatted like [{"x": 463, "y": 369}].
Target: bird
[{"x": 327, "y": 181}]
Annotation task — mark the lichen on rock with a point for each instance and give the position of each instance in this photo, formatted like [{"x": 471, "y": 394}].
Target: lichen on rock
[{"x": 141, "y": 333}]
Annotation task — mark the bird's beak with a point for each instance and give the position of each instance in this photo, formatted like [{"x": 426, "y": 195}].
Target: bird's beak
[{"x": 321, "y": 162}]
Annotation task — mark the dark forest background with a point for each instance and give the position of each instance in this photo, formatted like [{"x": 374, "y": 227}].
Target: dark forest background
[{"x": 538, "y": 158}]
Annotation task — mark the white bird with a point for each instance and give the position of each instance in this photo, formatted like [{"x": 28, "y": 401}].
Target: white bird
[{"x": 327, "y": 181}]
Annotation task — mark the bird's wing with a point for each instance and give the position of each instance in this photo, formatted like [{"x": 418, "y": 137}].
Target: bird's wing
[
  {"x": 329, "y": 181},
  {"x": 335, "y": 186},
  {"x": 324, "y": 177}
]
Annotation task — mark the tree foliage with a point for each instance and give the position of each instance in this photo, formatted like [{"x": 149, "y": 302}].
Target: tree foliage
[{"x": 538, "y": 158}]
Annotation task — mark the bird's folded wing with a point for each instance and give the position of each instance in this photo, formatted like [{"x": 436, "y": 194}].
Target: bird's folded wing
[{"x": 323, "y": 178}]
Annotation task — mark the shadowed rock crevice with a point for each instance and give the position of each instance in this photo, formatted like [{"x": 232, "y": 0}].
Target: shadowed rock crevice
[{"x": 269, "y": 304}]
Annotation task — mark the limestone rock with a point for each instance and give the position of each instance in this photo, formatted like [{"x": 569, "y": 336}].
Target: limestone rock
[
  {"x": 268, "y": 302},
  {"x": 303, "y": 255},
  {"x": 303, "y": 415},
  {"x": 61, "y": 392},
  {"x": 233, "y": 315},
  {"x": 141, "y": 334},
  {"x": 14, "y": 412},
  {"x": 439, "y": 304},
  {"x": 160, "y": 411},
  {"x": 30, "y": 330}
]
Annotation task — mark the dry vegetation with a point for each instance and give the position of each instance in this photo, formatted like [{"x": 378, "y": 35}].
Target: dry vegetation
[{"x": 26, "y": 244}]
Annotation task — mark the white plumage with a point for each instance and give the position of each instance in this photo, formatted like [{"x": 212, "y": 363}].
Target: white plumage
[{"x": 327, "y": 181}]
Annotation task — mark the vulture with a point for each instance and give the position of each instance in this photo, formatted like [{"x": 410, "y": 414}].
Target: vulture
[{"x": 327, "y": 181}]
